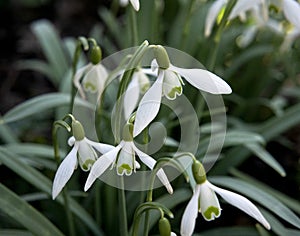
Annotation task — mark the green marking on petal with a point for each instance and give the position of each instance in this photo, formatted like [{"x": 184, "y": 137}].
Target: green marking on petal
[
  {"x": 87, "y": 164},
  {"x": 126, "y": 168},
  {"x": 174, "y": 92},
  {"x": 211, "y": 213},
  {"x": 88, "y": 86}
]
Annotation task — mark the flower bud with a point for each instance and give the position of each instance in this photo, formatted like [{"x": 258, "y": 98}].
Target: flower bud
[
  {"x": 198, "y": 172},
  {"x": 95, "y": 55},
  {"x": 164, "y": 227},
  {"x": 162, "y": 57},
  {"x": 78, "y": 131},
  {"x": 128, "y": 132}
]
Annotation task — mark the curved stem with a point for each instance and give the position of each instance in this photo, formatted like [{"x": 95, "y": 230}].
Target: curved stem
[{"x": 133, "y": 24}]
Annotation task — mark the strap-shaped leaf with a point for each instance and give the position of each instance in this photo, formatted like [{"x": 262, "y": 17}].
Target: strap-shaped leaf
[{"x": 25, "y": 214}]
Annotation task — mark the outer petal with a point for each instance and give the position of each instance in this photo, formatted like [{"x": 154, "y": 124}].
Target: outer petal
[
  {"x": 64, "y": 171},
  {"x": 242, "y": 203},
  {"x": 190, "y": 214},
  {"x": 131, "y": 96},
  {"x": 79, "y": 75},
  {"x": 101, "y": 165},
  {"x": 150, "y": 162},
  {"x": 291, "y": 10},
  {"x": 204, "y": 80},
  {"x": 135, "y": 4},
  {"x": 124, "y": 3},
  {"x": 100, "y": 147},
  {"x": 149, "y": 106},
  {"x": 242, "y": 6},
  {"x": 209, "y": 203},
  {"x": 212, "y": 15}
]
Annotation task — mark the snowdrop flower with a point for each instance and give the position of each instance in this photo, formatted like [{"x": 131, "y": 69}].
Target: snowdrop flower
[
  {"x": 93, "y": 75},
  {"x": 134, "y": 3},
  {"x": 138, "y": 85},
  {"x": 204, "y": 200},
  {"x": 123, "y": 158},
  {"x": 82, "y": 153},
  {"x": 169, "y": 84},
  {"x": 239, "y": 9},
  {"x": 291, "y": 10}
]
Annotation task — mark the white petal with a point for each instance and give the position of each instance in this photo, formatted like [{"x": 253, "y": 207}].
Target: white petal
[
  {"x": 209, "y": 203},
  {"x": 126, "y": 159},
  {"x": 100, "y": 166},
  {"x": 135, "y": 4},
  {"x": 149, "y": 106},
  {"x": 86, "y": 154},
  {"x": 172, "y": 86},
  {"x": 131, "y": 96},
  {"x": 242, "y": 6},
  {"x": 291, "y": 10},
  {"x": 150, "y": 162},
  {"x": 212, "y": 15},
  {"x": 173, "y": 234},
  {"x": 64, "y": 171},
  {"x": 190, "y": 214},
  {"x": 124, "y": 3},
  {"x": 95, "y": 79},
  {"x": 100, "y": 147},
  {"x": 78, "y": 76},
  {"x": 71, "y": 141},
  {"x": 242, "y": 203},
  {"x": 204, "y": 80}
]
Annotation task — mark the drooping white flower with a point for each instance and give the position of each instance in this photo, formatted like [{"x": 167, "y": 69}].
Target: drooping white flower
[
  {"x": 123, "y": 158},
  {"x": 291, "y": 10},
  {"x": 239, "y": 9},
  {"x": 205, "y": 200},
  {"x": 169, "y": 84},
  {"x": 93, "y": 79},
  {"x": 134, "y": 3},
  {"x": 82, "y": 153}
]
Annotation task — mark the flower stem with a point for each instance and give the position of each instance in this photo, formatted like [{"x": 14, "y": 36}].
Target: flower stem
[
  {"x": 123, "y": 211},
  {"x": 133, "y": 24}
]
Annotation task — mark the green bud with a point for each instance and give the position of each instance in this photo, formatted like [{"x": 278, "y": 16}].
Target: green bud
[
  {"x": 162, "y": 57},
  {"x": 164, "y": 227},
  {"x": 78, "y": 131},
  {"x": 128, "y": 132},
  {"x": 95, "y": 55},
  {"x": 198, "y": 172}
]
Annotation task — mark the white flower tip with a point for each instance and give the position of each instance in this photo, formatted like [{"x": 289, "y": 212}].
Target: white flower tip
[
  {"x": 169, "y": 188},
  {"x": 91, "y": 179},
  {"x": 55, "y": 192},
  {"x": 135, "y": 4}
]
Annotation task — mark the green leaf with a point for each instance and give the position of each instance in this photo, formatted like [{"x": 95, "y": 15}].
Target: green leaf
[
  {"x": 52, "y": 47},
  {"x": 278, "y": 227},
  {"x": 40, "y": 104},
  {"x": 266, "y": 157},
  {"x": 259, "y": 196},
  {"x": 290, "y": 202},
  {"x": 15, "y": 232},
  {"x": 38, "y": 180},
  {"x": 19, "y": 210}
]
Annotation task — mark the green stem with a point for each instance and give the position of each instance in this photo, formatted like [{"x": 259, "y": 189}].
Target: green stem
[
  {"x": 64, "y": 191},
  {"x": 218, "y": 35},
  {"x": 123, "y": 211},
  {"x": 133, "y": 24}
]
